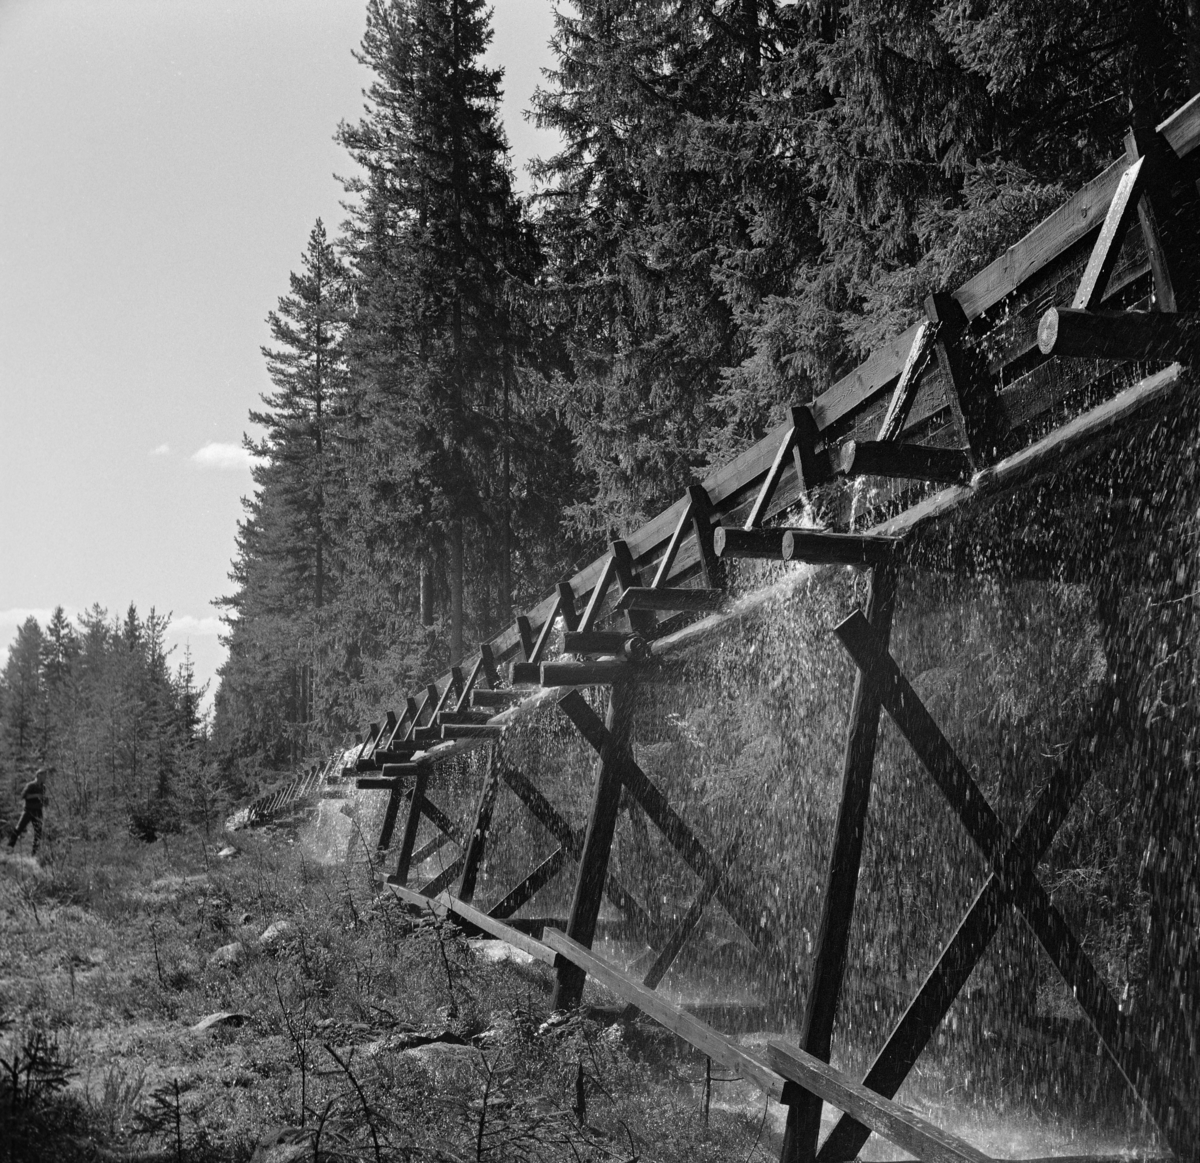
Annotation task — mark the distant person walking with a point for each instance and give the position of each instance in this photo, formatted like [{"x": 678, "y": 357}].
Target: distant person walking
[{"x": 34, "y": 795}]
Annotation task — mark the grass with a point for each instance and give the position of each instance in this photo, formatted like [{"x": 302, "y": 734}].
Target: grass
[{"x": 364, "y": 1034}]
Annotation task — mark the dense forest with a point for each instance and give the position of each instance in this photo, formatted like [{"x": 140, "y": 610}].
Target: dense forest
[
  {"x": 473, "y": 388},
  {"x": 120, "y": 730}
]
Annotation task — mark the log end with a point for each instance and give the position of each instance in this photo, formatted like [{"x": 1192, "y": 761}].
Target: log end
[{"x": 1048, "y": 331}]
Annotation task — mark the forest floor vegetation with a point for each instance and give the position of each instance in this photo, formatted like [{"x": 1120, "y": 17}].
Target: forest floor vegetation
[{"x": 339, "y": 1027}]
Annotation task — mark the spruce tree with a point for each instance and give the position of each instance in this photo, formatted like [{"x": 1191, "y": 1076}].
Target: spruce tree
[{"x": 436, "y": 240}]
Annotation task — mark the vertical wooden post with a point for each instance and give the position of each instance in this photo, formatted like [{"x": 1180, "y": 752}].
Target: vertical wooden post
[
  {"x": 477, "y": 840},
  {"x": 415, "y": 803},
  {"x": 593, "y": 861},
  {"x": 829, "y": 965},
  {"x": 970, "y": 393},
  {"x": 389, "y": 818}
]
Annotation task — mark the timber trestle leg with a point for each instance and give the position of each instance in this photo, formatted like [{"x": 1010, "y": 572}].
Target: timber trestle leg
[
  {"x": 1013, "y": 883},
  {"x": 593, "y": 861},
  {"x": 829, "y": 965}
]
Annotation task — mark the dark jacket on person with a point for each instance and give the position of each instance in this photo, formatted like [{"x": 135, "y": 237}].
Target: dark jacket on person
[{"x": 33, "y": 793}]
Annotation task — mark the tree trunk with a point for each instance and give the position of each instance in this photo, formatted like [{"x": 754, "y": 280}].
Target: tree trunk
[
  {"x": 425, "y": 593},
  {"x": 505, "y": 603},
  {"x": 1193, "y": 45},
  {"x": 456, "y": 592}
]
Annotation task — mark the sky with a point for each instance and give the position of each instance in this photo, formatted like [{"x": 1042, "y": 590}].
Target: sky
[{"x": 161, "y": 165}]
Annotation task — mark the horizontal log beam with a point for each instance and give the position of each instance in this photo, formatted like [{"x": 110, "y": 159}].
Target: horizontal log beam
[
  {"x": 812, "y": 546},
  {"x": 886, "y": 458},
  {"x": 894, "y": 1122},
  {"x": 633, "y": 647},
  {"x": 396, "y": 770},
  {"x": 455, "y": 731},
  {"x": 596, "y": 672},
  {"x": 1119, "y": 334},
  {"x": 762, "y": 544},
  {"x": 460, "y": 717},
  {"x": 377, "y": 783},
  {"x": 697, "y": 601},
  {"x": 498, "y": 700},
  {"x": 816, "y": 547},
  {"x": 396, "y": 753}
]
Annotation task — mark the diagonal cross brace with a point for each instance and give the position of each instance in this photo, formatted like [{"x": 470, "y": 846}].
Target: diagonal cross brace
[
  {"x": 570, "y": 843},
  {"x": 946, "y": 979},
  {"x": 668, "y": 821},
  {"x": 1014, "y": 870}
]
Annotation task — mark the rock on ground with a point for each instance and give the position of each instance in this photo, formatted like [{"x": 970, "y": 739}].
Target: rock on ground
[
  {"x": 278, "y": 933},
  {"x": 221, "y": 1018},
  {"x": 228, "y": 955}
]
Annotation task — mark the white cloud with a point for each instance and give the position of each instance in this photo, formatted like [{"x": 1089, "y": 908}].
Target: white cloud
[
  {"x": 161, "y": 450},
  {"x": 189, "y": 626},
  {"x": 222, "y": 456}
]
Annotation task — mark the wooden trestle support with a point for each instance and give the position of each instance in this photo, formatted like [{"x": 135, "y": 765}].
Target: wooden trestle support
[{"x": 967, "y": 399}]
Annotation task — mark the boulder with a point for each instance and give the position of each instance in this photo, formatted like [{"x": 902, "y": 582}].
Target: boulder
[
  {"x": 227, "y": 956},
  {"x": 278, "y": 933},
  {"x": 221, "y": 1018},
  {"x": 228, "y": 852}
]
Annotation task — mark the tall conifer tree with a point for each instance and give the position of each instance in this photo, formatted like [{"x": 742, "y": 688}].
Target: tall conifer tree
[{"x": 436, "y": 236}]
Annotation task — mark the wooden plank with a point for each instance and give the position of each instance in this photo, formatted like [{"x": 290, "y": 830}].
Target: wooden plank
[
  {"x": 477, "y": 840},
  {"x": 786, "y": 451},
  {"x": 1081, "y": 213},
  {"x": 522, "y": 893},
  {"x": 906, "y": 387},
  {"x": 1107, "y": 249},
  {"x": 866, "y": 381},
  {"x": 376, "y": 783},
  {"x": 602, "y": 820},
  {"x": 671, "y": 598},
  {"x": 666, "y": 819},
  {"x": 547, "y": 629},
  {"x": 687, "y": 1026},
  {"x": 592, "y": 612},
  {"x": 465, "y": 698},
  {"x": 841, "y": 879},
  {"x": 672, "y": 550},
  {"x": 894, "y": 1122},
  {"x": 887, "y": 458},
  {"x": 1140, "y": 335},
  {"x": 442, "y": 905},
  {"x": 1182, "y": 128}
]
